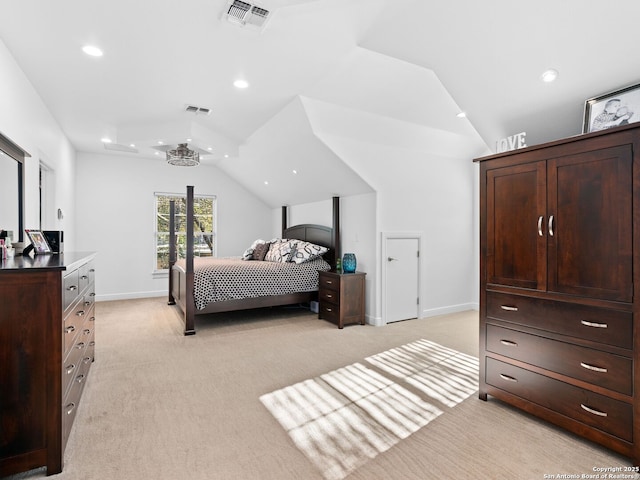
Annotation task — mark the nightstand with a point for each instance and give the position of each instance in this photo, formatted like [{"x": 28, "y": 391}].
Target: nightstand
[{"x": 341, "y": 297}]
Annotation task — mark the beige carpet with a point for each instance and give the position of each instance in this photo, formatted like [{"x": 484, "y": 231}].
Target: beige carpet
[{"x": 159, "y": 405}]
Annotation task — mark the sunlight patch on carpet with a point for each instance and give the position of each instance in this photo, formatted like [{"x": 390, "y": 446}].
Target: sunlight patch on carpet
[
  {"x": 343, "y": 418},
  {"x": 442, "y": 373}
]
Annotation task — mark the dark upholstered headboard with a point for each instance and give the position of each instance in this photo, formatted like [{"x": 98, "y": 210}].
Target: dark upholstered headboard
[{"x": 318, "y": 234}]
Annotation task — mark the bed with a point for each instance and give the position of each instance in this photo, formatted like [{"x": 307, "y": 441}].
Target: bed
[{"x": 231, "y": 284}]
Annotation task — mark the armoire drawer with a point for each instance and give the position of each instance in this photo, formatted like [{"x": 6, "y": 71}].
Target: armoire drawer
[
  {"x": 594, "y": 366},
  {"x": 602, "y": 325},
  {"x": 598, "y": 411}
]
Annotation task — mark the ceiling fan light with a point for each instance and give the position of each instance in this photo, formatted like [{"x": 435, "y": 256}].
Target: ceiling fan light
[{"x": 182, "y": 156}]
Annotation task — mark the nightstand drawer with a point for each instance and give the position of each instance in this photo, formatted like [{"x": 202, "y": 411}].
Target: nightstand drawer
[
  {"x": 329, "y": 311},
  {"x": 329, "y": 296},
  {"x": 604, "y": 413},
  {"x": 594, "y": 366},
  {"x": 329, "y": 282}
]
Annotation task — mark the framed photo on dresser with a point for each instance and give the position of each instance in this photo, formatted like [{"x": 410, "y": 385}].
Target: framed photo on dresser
[
  {"x": 612, "y": 109},
  {"x": 39, "y": 242}
]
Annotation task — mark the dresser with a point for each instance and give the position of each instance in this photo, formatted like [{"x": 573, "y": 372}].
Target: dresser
[
  {"x": 341, "y": 297},
  {"x": 559, "y": 314},
  {"x": 47, "y": 341}
]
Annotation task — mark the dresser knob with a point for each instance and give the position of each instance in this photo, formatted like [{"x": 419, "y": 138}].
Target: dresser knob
[
  {"x": 80, "y": 313},
  {"x": 591, "y": 367},
  {"x": 70, "y": 407},
  {"x": 593, "y": 410},
  {"x": 70, "y": 329},
  {"x": 509, "y": 308},
  {"x": 508, "y": 378},
  {"x": 593, "y": 324},
  {"x": 70, "y": 369},
  {"x": 508, "y": 343}
]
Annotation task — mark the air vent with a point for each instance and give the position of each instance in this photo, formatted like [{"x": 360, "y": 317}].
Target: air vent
[
  {"x": 197, "y": 110},
  {"x": 243, "y": 13},
  {"x": 120, "y": 148}
]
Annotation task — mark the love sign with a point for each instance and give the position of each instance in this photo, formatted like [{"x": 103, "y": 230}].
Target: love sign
[{"x": 511, "y": 143}]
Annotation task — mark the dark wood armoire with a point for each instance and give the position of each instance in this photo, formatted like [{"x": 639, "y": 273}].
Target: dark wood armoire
[{"x": 559, "y": 313}]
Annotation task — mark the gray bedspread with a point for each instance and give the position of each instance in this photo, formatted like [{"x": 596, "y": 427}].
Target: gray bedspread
[{"x": 231, "y": 278}]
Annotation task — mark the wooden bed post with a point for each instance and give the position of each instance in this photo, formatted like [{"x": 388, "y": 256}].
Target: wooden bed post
[
  {"x": 172, "y": 248},
  {"x": 189, "y": 302},
  {"x": 336, "y": 231},
  {"x": 284, "y": 219}
]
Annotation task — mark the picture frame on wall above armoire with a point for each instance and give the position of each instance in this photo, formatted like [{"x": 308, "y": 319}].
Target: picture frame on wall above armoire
[{"x": 612, "y": 109}]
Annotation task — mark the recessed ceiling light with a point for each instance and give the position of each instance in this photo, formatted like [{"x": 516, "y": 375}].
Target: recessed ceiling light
[
  {"x": 92, "y": 50},
  {"x": 462, "y": 115},
  {"x": 209, "y": 148},
  {"x": 295, "y": 172},
  {"x": 160, "y": 142},
  {"x": 549, "y": 76},
  {"x": 266, "y": 182},
  {"x": 189, "y": 139},
  {"x": 105, "y": 140},
  {"x": 132, "y": 145},
  {"x": 241, "y": 84},
  {"x": 226, "y": 155}
]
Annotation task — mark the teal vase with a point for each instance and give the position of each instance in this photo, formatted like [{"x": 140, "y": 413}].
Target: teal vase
[{"x": 349, "y": 263}]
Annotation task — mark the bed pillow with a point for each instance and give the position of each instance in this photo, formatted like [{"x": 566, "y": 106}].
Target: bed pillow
[
  {"x": 248, "y": 253},
  {"x": 260, "y": 251},
  {"x": 305, "y": 252},
  {"x": 279, "y": 251}
]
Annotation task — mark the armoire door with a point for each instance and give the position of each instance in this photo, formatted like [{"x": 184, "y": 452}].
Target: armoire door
[
  {"x": 516, "y": 250},
  {"x": 590, "y": 237}
]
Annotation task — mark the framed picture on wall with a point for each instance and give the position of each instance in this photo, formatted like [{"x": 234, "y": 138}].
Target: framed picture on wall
[
  {"x": 39, "y": 242},
  {"x": 612, "y": 109}
]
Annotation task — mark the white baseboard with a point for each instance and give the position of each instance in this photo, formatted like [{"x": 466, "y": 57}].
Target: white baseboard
[
  {"x": 131, "y": 296},
  {"x": 463, "y": 307}
]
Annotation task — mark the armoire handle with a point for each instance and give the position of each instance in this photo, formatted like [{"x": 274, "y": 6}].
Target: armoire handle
[
  {"x": 540, "y": 220},
  {"x": 551, "y": 232}
]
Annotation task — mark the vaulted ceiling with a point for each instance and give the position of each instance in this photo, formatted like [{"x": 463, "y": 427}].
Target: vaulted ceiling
[{"x": 322, "y": 74}]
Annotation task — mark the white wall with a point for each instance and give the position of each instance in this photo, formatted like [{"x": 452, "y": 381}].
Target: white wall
[
  {"x": 116, "y": 216},
  {"x": 435, "y": 196},
  {"x": 25, "y": 119}
]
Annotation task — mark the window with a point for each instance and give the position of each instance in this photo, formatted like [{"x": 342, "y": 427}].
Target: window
[{"x": 204, "y": 237}]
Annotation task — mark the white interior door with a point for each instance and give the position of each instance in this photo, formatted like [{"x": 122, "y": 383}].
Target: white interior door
[{"x": 401, "y": 279}]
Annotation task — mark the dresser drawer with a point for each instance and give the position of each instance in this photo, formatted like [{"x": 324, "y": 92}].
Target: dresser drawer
[
  {"x": 602, "y": 325},
  {"x": 70, "y": 368},
  {"x": 86, "y": 276},
  {"x": 594, "y": 366},
  {"x": 598, "y": 411},
  {"x": 73, "y": 324},
  {"x": 70, "y": 288}
]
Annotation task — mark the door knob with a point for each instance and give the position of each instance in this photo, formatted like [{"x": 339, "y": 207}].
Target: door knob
[{"x": 391, "y": 259}]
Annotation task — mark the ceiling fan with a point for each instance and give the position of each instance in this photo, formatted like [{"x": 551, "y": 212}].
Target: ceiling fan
[{"x": 181, "y": 155}]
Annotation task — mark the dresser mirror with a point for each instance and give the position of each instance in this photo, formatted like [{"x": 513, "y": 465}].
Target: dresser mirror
[{"x": 12, "y": 189}]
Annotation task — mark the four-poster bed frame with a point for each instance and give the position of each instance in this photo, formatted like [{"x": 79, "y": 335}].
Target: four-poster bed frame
[{"x": 181, "y": 280}]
